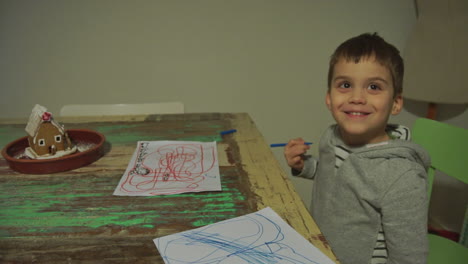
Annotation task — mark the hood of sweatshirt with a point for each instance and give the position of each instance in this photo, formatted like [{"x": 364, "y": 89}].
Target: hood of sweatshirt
[{"x": 399, "y": 146}]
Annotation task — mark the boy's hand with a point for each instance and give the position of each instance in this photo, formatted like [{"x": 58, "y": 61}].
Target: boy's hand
[{"x": 294, "y": 151}]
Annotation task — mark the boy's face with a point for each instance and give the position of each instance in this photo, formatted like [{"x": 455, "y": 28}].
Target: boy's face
[{"x": 361, "y": 99}]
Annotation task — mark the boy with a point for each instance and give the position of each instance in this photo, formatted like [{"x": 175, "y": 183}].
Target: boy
[{"x": 370, "y": 192}]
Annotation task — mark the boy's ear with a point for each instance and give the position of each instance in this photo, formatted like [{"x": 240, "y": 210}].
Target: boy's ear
[
  {"x": 328, "y": 100},
  {"x": 397, "y": 104}
]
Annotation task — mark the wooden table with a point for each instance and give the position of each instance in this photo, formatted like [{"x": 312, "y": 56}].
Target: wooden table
[{"x": 72, "y": 216}]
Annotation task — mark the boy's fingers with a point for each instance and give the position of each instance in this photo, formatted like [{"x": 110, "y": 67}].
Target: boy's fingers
[
  {"x": 298, "y": 142},
  {"x": 295, "y": 141},
  {"x": 296, "y": 149},
  {"x": 294, "y": 153},
  {"x": 293, "y": 161},
  {"x": 298, "y": 160},
  {"x": 297, "y": 163}
]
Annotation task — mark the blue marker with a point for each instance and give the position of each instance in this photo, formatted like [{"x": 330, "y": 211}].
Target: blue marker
[
  {"x": 284, "y": 144},
  {"x": 227, "y": 132}
]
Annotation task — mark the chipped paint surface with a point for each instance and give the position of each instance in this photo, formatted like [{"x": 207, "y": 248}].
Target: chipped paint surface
[
  {"x": 36, "y": 207},
  {"x": 82, "y": 201},
  {"x": 72, "y": 217}
]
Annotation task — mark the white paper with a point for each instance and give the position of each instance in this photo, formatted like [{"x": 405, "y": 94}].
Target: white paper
[
  {"x": 261, "y": 237},
  {"x": 170, "y": 167}
]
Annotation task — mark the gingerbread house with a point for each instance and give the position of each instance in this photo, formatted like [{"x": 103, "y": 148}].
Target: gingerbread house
[{"x": 47, "y": 138}]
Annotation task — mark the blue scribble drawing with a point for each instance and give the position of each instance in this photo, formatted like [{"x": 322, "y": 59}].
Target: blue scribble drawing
[{"x": 255, "y": 238}]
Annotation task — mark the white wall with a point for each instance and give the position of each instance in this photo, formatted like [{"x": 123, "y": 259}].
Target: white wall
[{"x": 265, "y": 57}]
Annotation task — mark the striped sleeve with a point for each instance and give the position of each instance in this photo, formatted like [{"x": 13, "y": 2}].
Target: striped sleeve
[
  {"x": 380, "y": 254},
  {"x": 341, "y": 153}
]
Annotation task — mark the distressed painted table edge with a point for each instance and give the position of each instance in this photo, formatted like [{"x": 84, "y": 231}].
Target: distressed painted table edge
[{"x": 296, "y": 214}]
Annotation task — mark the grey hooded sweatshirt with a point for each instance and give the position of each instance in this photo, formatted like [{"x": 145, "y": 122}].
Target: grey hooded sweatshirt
[{"x": 372, "y": 188}]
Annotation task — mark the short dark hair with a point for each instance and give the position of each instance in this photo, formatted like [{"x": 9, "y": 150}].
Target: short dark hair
[{"x": 367, "y": 45}]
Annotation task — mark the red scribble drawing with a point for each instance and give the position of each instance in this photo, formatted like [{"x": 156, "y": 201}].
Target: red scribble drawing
[{"x": 170, "y": 167}]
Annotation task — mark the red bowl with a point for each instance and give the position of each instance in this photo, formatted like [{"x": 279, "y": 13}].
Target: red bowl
[{"x": 13, "y": 154}]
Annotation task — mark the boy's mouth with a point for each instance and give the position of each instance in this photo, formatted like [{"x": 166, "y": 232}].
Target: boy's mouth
[{"x": 352, "y": 113}]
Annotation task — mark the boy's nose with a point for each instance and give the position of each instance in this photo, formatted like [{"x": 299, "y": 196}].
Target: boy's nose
[{"x": 357, "y": 96}]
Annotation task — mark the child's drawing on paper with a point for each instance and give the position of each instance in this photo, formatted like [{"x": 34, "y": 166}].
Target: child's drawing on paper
[
  {"x": 261, "y": 237},
  {"x": 170, "y": 167}
]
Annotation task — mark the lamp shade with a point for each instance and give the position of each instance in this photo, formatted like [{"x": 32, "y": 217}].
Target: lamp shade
[{"x": 436, "y": 55}]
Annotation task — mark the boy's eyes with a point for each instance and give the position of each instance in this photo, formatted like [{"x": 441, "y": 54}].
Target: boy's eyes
[
  {"x": 345, "y": 85},
  {"x": 374, "y": 87}
]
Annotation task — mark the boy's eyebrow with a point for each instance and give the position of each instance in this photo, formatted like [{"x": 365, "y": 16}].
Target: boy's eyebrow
[
  {"x": 341, "y": 77},
  {"x": 344, "y": 77},
  {"x": 378, "y": 79}
]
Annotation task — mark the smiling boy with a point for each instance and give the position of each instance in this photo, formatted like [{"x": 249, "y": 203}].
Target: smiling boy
[{"x": 369, "y": 194}]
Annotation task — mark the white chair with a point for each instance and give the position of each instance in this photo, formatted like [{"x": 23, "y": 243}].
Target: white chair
[{"x": 122, "y": 109}]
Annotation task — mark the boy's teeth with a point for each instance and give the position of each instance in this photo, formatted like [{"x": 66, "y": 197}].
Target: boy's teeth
[{"x": 356, "y": 113}]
